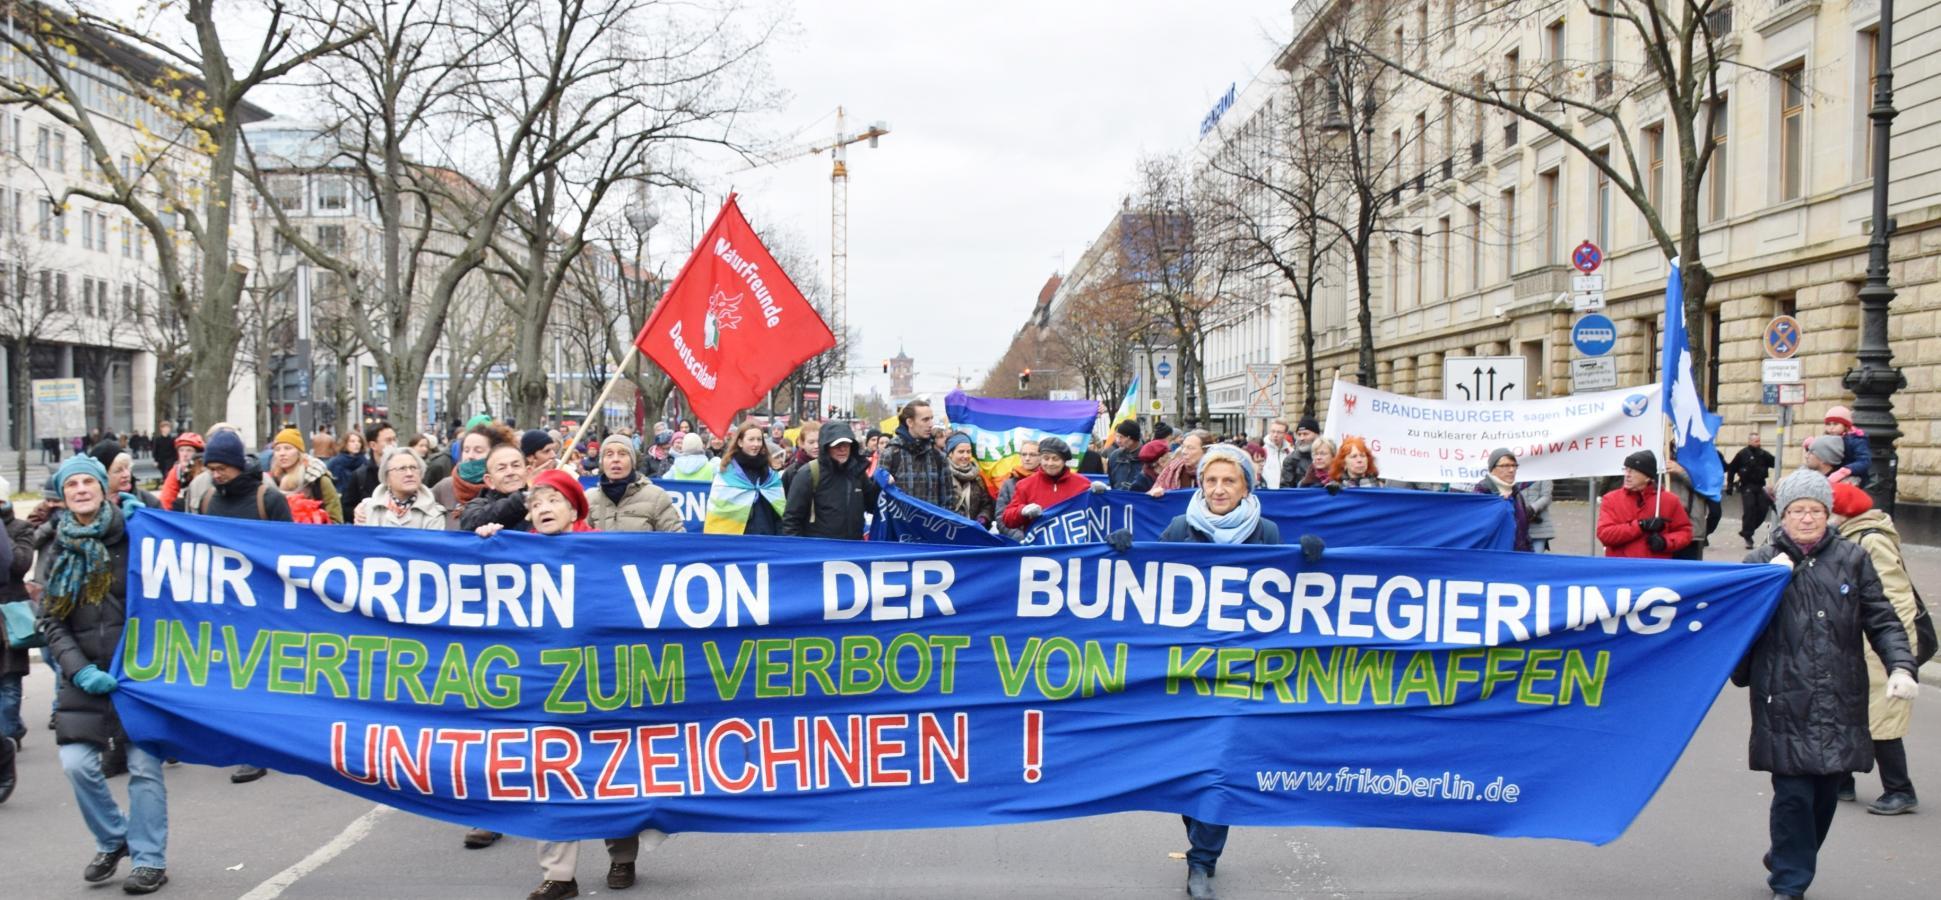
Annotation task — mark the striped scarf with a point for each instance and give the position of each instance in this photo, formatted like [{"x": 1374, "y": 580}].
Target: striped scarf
[{"x": 734, "y": 496}]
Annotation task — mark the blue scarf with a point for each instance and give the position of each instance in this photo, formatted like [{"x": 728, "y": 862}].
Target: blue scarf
[
  {"x": 1233, "y": 528},
  {"x": 81, "y": 571}
]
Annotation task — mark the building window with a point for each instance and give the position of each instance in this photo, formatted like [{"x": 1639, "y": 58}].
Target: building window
[
  {"x": 1475, "y": 246},
  {"x": 1869, "y": 78},
  {"x": 333, "y": 193},
  {"x": 1715, "y": 169},
  {"x": 43, "y": 147},
  {"x": 1421, "y": 142},
  {"x": 1604, "y": 37},
  {"x": 1550, "y": 232},
  {"x": 1395, "y": 276},
  {"x": 1510, "y": 236},
  {"x": 1792, "y": 122},
  {"x": 128, "y": 301},
  {"x": 60, "y": 292},
  {"x": 286, "y": 191},
  {"x": 1419, "y": 280},
  {"x": 1449, "y": 126},
  {"x": 52, "y": 225},
  {"x": 1602, "y": 187},
  {"x": 1422, "y": 34},
  {"x": 330, "y": 237},
  {"x": 1654, "y": 159},
  {"x": 1446, "y": 251}
]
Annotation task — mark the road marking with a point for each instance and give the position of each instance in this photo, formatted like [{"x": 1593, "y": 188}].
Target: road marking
[{"x": 346, "y": 839}]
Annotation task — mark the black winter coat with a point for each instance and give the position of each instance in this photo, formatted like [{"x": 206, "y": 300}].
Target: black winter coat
[
  {"x": 1122, "y": 468},
  {"x": 839, "y": 495},
  {"x": 1806, "y": 670},
  {"x": 20, "y": 534},
  {"x": 87, "y": 636},
  {"x": 239, "y": 499},
  {"x": 491, "y": 506}
]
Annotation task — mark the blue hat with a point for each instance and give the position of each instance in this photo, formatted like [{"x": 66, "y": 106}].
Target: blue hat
[
  {"x": 226, "y": 447},
  {"x": 956, "y": 440},
  {"x": 82, "y": 465}
]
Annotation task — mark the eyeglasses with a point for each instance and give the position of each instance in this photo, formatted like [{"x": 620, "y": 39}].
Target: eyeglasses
[
  {"x": 1506, "y": 464},
  {"x": 1807, "y": 512}
]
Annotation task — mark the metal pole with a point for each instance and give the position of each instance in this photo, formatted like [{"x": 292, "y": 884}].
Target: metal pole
[
  {"x": 1590, "y": 491},
  {"x": 306, "y": 414},
  {"x": 1875, "y": 379},
  {"x": 599, "y": 402}
]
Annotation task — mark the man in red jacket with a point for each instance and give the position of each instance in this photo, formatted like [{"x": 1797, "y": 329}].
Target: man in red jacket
[
  {"x": 1640, "y": 520},
  {"x": 1052, "y": 484}
]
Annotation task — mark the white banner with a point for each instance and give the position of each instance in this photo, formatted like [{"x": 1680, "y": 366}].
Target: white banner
[{"x": 1449, "y": 441}]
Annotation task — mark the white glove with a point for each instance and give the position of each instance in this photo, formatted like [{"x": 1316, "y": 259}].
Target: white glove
[
  {"x": 1783, "y": 561},
  {"x": 1031, "y": 510},
  {"x": 1902, "y": 686},
  {"x": 1098, "y": 487}
]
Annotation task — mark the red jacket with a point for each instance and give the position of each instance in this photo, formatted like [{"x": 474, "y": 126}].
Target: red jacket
[
  {"x": 1617, "y": 523},
  {"x": 1036, "y": 488}
]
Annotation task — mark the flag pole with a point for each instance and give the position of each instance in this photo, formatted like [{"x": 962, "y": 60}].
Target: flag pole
[{"x": 599, "y": 403}]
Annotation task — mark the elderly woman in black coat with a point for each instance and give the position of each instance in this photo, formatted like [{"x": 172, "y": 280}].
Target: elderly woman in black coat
[{"x": 1809, "y": 678}]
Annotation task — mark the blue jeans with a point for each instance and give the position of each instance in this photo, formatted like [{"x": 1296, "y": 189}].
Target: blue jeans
[
  {"x": 10, "y": 724},
  {"x": 145, "y": 828},
  {"x": 1208, "y": 840}
]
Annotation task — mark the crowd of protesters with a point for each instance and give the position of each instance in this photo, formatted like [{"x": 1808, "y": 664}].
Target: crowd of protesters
[{"x": 820, "y": 480}]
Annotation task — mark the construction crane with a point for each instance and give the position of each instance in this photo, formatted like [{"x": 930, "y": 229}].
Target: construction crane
[{"x": 838, "y": 149}]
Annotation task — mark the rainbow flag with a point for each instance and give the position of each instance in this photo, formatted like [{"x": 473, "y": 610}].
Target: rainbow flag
[
  {"x": 997, "y": 426},
  {"x": 1125, "y": 405}
]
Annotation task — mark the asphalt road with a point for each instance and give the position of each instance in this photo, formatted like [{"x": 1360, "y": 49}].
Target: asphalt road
[
  {"x": 1701, "y": 837},
  {"x": 284, "y": 836}
]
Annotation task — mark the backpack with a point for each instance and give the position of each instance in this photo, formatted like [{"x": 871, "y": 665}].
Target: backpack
[{"x": 1923, "y": 635}]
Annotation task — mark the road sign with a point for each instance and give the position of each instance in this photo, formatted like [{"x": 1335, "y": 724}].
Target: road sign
[
  {"x": 1061, "y": 395},
  {"x": 1594, "y": 334},
  {"x": 1478, "y": 379},
  {"x": 1792, "y": 395},
  {"x": 1165, "y": 369},
  {"x": 1587, "y": 302},
  {"x": 1586, "y": 284},
  {"x": 1587, "y": 257},
  {"x": 1781, "y": 371},
  {"x": 1263, "y": 390},
  {"x": 1594, "y": 374},
  {"x": 60, "y": 408},
  {"x": 1770, "y": 394},
  {"x": 1782, "y": 337}
]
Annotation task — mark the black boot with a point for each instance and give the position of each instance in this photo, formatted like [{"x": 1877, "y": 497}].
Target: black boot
[
  {"x": 144, "y": 880},
  {"x": 247, "y": 774},
  {"x": 479, "y": 838},
  {"x": 555, "y": 890},
  {"x": 1199, "y": 884},
  {"x": 6, "y": 768},
  {"x": 102, "y": 866}
]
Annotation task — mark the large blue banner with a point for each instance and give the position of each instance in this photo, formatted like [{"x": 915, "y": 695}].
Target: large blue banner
[
  {"x": 1367, "y": 517},
  {"x": 591, "y": 685}
]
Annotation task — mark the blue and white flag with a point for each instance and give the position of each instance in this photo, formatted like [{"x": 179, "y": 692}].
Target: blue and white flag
[{"x": 1692, "y": 426}]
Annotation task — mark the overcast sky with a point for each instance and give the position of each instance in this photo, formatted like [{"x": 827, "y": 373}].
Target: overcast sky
[{"x": 1014, "y": 129}]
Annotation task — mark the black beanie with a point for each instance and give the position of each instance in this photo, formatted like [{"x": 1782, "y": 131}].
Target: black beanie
[
  {"x": 534, "y": 441},
  {"x": 1644, "y": 463},
  {"x": 1129, "y": 428}
]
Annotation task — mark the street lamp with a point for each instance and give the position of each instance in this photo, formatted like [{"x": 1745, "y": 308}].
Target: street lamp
[{"x": 1875, "y": 379}]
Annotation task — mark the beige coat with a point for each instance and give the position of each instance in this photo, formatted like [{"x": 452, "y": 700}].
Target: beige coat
[
  {"x": 644, "y": 507},
  {"x": 425, "y": 511},
  {"x": 1886, "y": 718}
]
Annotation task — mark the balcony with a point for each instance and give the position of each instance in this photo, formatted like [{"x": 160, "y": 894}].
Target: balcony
[
  {"x": 1719, "y": 21},
  {"x": 1547, "y": 281}
]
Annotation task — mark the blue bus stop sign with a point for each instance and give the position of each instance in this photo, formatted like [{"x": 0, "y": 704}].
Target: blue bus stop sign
[{"x": 1594, "y": 334}]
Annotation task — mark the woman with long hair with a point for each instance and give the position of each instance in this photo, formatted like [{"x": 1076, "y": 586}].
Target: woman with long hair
[
  {"x": 1354, "y": 465},
  {"x": 747, "y": 497},
  {"x": 298, "y": 474}
]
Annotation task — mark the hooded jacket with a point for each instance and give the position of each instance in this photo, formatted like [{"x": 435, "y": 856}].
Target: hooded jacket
[
  {"x": 1874, "y": 532},
  {"x": 1806, "y": 671},
  {"x": 88, "y": 636},
  {"x": 692, "y": 467},
  {"x": 829, "y": 499},
  {"x": 1619, "y": 513}
]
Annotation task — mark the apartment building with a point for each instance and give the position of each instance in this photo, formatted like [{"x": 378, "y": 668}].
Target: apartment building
[{"x": 1486, "y": 208}]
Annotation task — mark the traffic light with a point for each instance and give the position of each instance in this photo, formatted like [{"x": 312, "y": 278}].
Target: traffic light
[
  {"x": 1024, "y": 379},
  {"x": 886, "y": 367}
]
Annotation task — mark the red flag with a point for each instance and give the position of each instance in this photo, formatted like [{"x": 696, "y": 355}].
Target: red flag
[{"x": 732, "y": 325}]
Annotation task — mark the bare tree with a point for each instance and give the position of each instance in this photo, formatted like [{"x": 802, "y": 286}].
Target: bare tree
[
  {"x": 1161, "y": 254},
  {"x": 1092, "y": 336},
  {"x": 28, "y": 316},
  {"x": 193, "y": 87},
  {"x": 1672, "y": 55}
]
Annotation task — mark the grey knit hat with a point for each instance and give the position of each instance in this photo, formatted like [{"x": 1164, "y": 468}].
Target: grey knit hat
[
  {"x": 1829, "y": 448},
  {"x": 623, "y": 442},
  {"x": 1803, "y": 484}
]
